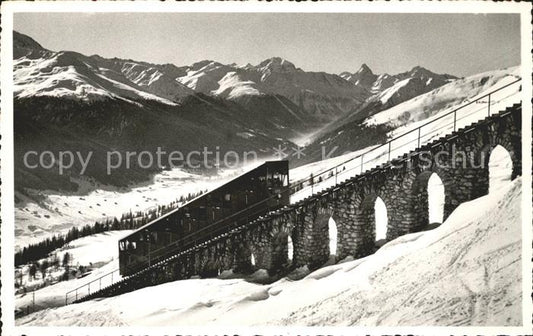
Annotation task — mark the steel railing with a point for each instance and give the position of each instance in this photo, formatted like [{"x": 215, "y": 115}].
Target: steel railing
[
  {"x": 413, "y": 138},
  {"x": 93, "y": 286}
]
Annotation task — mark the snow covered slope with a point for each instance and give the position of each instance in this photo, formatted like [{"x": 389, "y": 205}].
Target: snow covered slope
[
  {"x": 465, "y": 272},
  {"x": 101, "y": 248},
  {"x": 448, "y": 97}
]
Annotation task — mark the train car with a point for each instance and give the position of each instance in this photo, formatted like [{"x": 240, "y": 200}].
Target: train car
[{"x": 235, "y": 203}]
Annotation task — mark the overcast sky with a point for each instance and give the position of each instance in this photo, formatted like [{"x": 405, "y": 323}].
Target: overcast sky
[{"x": 459, "y": 44}]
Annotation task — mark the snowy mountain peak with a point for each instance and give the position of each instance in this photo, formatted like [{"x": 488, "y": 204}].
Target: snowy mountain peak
[
  {"x": 364, "y": 77},
  {"x": 68, "y": 74},
  {"x": 202, "y": 64},
  {"x": 419, "y": 71},
  {"x": 364, "y": 69},
  {"x": 277, "y": 64}
]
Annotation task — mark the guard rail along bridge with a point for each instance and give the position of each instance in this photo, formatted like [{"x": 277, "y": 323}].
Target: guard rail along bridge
[{"x": 396, "y": 171}]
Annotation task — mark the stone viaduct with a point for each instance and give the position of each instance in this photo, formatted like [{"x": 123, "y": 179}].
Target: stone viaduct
[{"x": 459, "y": 159}]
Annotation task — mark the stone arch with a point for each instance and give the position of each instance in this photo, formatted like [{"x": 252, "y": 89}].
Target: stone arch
[
  {"x": 436, "y": 199},
  {"x": 500, "y": 167},
  {"x": 333, "y": 237},
  {"x": 290, "y": 249},
  {"x": 252, "y": 259},
  {"x": 381, "y": 220},
  {"x": 280, "y": 248},
  {"x": 505, "y": 133},
  {"x": 209, "y": 269},
  {"x": 450, "y": 173},
  {"x": 226, "y": 254},
  {"x": 242, "y": 255},
  {"x": 428, "y": 199},
  {"x": 299, "y": 236},
  {"x": 482, "y": 160},
  {"x": 316, "y": 234},
  {"x": 366, "y": 216}
]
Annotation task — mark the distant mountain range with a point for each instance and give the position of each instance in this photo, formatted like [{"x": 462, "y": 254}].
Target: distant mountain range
[{"x": 68, "y": 100}]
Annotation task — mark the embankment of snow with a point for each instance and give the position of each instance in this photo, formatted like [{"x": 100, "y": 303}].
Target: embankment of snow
[
  {"x": 101, "y": 248},
  {"x": 465, "y": 272}
]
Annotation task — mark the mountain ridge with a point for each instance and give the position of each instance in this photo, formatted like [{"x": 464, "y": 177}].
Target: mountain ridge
[
  {"x": 325, "y": 97},
  {"x": 272, "y": 102}
]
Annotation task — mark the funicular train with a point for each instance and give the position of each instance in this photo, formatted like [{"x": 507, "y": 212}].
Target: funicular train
[{"x": 235, "y": 203}]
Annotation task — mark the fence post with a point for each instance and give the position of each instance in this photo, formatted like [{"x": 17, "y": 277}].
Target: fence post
[
  {"x": 489, "y": 105},
  {"x": 419, "y": 137},
  {"x": 336, "y": 175},
  {"x": 388, "y": 159},
  {"x": 76, "y": 294},
  {"x": 362, "y": 163},
  {"x": 454, "y": 120}
]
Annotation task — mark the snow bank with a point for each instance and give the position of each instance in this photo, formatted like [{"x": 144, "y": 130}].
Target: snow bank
[
  {"x": 97, "y": 248},
  {"x": 465, "y": 272},
  {"x": 101, "y": 248}
]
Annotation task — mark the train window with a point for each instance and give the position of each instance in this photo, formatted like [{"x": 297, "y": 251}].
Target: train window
[
  {"x": 227, "y": 197},
  {"x": 202, "y": 213},
  {"x": 121, "y": 245},
  {"x": 134, "y": 245}
]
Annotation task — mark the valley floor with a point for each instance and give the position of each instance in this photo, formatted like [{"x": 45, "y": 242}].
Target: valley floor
[{"x": 465, "y": 272}]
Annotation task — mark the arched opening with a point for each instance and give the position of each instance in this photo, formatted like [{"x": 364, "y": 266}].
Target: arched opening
[
  {"x": 428, "y": 201},
  {"x": 323, "y": 238},
  {"x": 373, "y": 220},
  {"x": 332, "y": 233},
  {"x": 435, "y": 190},
  {"x": 290, "y": 249},
  {"x": 380, "y": 215},
  {"x": 500, "y": 168}
]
